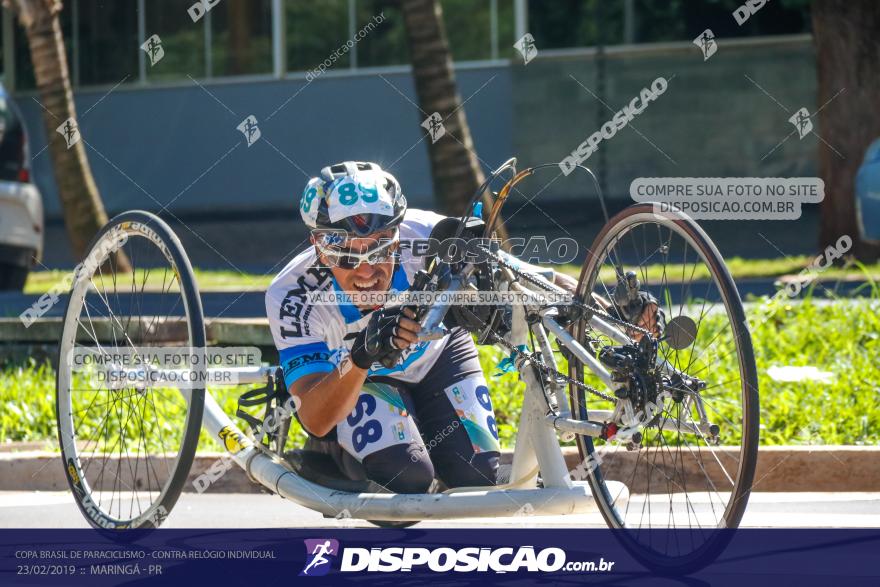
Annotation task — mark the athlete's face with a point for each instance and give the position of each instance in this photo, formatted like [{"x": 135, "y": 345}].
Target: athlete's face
[{"x": 364, "y": 277}]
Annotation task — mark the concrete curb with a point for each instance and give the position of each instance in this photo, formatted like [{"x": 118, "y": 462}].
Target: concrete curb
[{"x": 780, "y": 469}]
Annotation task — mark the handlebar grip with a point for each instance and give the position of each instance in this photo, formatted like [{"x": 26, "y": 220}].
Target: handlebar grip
[{"x": 422, "y": 315}]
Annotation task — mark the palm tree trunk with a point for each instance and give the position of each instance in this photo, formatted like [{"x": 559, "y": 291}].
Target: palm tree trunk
[
  {"x": 847, "y": 53},
  {"x": 455, "y": 167},
  {"x": 238, "y": 49},
  {"x": 81, "y": 203}
]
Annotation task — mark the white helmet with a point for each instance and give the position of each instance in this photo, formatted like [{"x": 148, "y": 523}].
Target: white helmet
[{"x": 360, "y": 198}]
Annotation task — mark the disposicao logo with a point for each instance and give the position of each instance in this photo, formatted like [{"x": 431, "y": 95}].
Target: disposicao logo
[{"x": 320, "y": 552}]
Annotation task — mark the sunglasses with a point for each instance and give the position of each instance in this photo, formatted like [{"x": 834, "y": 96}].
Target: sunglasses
[{"x": 348, "y": 259}]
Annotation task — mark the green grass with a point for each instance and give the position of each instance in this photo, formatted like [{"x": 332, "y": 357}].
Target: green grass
[
  {"x": 28, "y": 394},
  {"x": 39, "y": 282},
  {"x": 747, "y": 269},
  {"x": 209, "y": 280},
  {"x": 843, "y": 338}
]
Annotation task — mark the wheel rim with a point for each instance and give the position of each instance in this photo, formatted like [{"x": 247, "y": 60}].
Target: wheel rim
[
  {"x": 679, "y": 480},
  {"x": 123, "y": 445}
]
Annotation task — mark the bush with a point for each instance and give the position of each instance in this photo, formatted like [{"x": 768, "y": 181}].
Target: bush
[{"x": 841, "y": 336}]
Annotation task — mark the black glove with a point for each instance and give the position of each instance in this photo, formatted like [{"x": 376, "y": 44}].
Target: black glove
[{"x": 375, "y": 341}]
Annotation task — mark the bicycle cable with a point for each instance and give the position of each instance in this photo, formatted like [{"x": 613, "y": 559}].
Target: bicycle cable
[{"x": 533, "y": 358}]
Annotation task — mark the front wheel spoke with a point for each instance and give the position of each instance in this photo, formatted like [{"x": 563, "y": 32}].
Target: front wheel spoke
[{"x": 109, "y": 433}]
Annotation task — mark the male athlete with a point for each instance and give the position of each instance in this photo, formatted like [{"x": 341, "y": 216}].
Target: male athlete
[{"x": 427, "y": 416}]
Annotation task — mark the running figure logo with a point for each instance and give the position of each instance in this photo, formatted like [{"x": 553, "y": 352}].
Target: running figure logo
[
  {"x": 154, "y": 50},
  {"x": 801, "y": 121},
  {"x": 250, "y": 130},
  {"x": 526, "y": 47},
  {"x": 706, "y": 43},
  {"x": 70, "y": 131},
  {"x": 320, "y": 552},
  {"x": 434, "y": 125}
]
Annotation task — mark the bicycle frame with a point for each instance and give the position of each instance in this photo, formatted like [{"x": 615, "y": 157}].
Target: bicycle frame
[
  {"x": 618, "y": 352},
  {"x": 537, "y": 449}
]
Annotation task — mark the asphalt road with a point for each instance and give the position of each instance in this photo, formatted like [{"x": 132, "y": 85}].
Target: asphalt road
[{"x": 231, "y": 510}]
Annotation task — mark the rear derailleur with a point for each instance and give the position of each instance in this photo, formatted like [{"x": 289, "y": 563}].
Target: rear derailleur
[{"x": 634, "y": 368}]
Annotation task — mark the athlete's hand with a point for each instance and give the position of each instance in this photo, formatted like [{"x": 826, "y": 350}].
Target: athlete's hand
[
  {"x": 566, "y": 282},
  {"x": 651, "y": 317},
  {"x": 389, "y": 330}
]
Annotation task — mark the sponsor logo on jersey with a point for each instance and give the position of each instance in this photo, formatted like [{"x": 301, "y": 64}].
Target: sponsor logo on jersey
[{"x": 294, "y": 310}]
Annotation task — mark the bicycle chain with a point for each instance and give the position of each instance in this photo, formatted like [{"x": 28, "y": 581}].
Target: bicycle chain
[
  {"x": 547, "y": 286},
  {"x": 533, "y": 358}
]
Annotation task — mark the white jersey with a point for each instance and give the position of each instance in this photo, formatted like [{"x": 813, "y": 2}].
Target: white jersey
[{"x": 311, "y": 337}]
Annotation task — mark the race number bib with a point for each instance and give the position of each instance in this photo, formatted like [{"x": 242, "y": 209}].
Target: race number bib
[
  {"x": 379, "y": 420},
  {"x": 470, "y": 398}
]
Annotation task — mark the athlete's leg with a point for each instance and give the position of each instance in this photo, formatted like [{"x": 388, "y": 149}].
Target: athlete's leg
[
  {"x": 380, "y": 441},
  {"x": 456, "y": 419}
]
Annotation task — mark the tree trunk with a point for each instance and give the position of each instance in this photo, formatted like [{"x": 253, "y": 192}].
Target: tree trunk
[
  {"x": 845, "y": 33},
  {"x": 239, "y": 50},
  {"x": 81, "y": 203},
  {"x": 455, "y": 167}
]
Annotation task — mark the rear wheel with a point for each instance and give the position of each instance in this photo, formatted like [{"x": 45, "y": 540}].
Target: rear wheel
[
  {"x": 128, "y": 445},
  {"x": 693, "y": 464}
]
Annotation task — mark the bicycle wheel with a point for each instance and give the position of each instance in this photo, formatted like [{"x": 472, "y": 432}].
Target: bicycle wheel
[
  {"x": 691, "y": 466},
  {"x": 128, "y": 444}
]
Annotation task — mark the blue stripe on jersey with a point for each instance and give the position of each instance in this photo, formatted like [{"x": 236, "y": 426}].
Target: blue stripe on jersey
[
  {"x": 398, "y": 280},
  {"x": 348, "y": 310},
  {"x": 302, "y": 360}
]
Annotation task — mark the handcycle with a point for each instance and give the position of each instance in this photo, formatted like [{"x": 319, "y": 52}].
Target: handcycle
[{"x": 665, "y": 423}]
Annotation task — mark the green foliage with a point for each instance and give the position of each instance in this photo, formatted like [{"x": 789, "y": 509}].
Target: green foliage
[
  {"x": 226, "y": 280},
  {"x": 586, "y": 23},
  {"x": 841, "y": 337},
  {"x": 208, "y": 280},
  {"x": 27, "y": 395},
  {"x": 741, "y": 268},
  {"x": 506, "y": 391}
]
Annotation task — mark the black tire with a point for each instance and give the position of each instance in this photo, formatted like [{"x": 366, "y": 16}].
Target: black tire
[
  {"x": 146, "y": 239},
  {"x": 637, "y": 223},
  {"x": 390, "y": 524}
]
